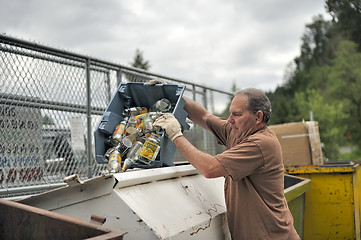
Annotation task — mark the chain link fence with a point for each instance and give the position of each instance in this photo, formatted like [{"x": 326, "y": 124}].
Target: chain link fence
[{"x": 50, "y": 104}]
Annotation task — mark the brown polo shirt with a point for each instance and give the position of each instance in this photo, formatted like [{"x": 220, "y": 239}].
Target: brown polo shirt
[{"x": 254, "y": 189}]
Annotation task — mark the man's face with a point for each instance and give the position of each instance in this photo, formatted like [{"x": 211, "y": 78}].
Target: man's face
[{"x": 241, "y": 119}]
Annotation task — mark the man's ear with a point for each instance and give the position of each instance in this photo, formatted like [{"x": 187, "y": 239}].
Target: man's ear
[{"x": 259, "y": 116}]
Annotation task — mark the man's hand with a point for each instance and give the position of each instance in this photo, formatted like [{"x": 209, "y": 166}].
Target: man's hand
[
  {"x": 170, "y": 124},
  {"x": 155, "y": 81}
]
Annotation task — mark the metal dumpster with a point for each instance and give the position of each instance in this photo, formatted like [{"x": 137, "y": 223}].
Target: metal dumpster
[
  {"x": 19, "y": 221},
  {"x": 295, "y": 189},
  {"x": 161, "y": 203},
  {"x": 332, "y": 204}
]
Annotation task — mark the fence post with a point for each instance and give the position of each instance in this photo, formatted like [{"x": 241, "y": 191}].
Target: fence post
[
  {"x": 109, "y": 92},
  {"x": 212, "y": 141},
  {"x": 205, "y": 139},
  {"x": 119, "y": 77},
  {"x": 212, "y": 102},
  {"x": 89, "y": 118}
]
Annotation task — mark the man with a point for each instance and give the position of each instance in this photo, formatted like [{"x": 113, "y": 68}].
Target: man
[{"x": 252, "y": 164}]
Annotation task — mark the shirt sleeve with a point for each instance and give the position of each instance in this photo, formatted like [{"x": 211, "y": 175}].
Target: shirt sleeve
[
  {"x": 219, "y": 128},
  {"x": 241, "y": 160}
]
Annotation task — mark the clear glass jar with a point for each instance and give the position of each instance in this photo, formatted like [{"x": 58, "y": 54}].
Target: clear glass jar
[
  {"x": 150, "y": 149},
  {"x": 162, "y": 105}
]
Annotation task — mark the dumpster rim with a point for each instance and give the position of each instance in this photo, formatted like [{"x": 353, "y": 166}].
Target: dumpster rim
[
  {"x": 298, "y": 189},
  {"x": 321, "y": 169},
  {"x": 131, "y": 178}
]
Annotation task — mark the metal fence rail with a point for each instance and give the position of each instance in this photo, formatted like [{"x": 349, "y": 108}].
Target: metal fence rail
[{"x": 46, "y": 94}]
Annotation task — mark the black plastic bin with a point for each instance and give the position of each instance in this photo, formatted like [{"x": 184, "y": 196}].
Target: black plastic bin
[{"x": 140, "y": 95}]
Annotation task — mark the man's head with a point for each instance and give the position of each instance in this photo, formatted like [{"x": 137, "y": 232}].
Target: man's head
[{"x": 250, "y": 110}]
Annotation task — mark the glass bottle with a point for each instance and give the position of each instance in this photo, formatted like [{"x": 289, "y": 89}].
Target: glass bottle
[
  {"x": 162, "y": 105},
  {"x": 133, "y": 137},
  {"x": 118, "y": 133},
  {"x": 132, "y": 155},
  {"x": 148, "y": 125},
  {"x": 108, "y": 153},
  {"x": 124, "y": 146},
  {"x": 131, "y": 124},
  {"x": 150, "y": 149},
  {"x": 115, "y": 155},
  {"x": 114, "y": 162},
  {"x": 135, "y": 110}
]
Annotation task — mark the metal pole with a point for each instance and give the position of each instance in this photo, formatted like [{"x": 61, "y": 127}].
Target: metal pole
[
  {"x": 213, "y": 143},
  {"x": 205, "y": 102},
  {"x": 109, "y": 93},
  {"x": 119, "y": 77},
  {"x": 204, "y": 131},
  {"x": 212, "y": 103},
  {"x": 89, "y": 118},
  {"x": 194, "y": 131}
]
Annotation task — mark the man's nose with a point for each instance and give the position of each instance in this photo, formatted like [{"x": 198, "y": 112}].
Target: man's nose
[{"x": 230, "y": 119}]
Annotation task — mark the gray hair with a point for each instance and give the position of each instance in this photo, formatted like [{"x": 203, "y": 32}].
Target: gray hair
[{"x": 257, "y": 100}]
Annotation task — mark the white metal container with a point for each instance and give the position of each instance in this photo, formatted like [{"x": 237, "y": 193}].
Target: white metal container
[{"x": 160, "y": 203}]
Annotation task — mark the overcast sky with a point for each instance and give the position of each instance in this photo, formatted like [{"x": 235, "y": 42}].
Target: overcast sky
[{"x": 210, "y": 42}]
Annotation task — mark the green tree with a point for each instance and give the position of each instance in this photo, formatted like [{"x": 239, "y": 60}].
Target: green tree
[
  {"x": 139, "y": 62},
  {"x": 347, "y": 15},
  {"x": 330, "y": 117},
  {"x": 326, "y": 78},
  {"x": 316, "y": 50},
  {"x": 282, "y": 105},
  {"x": 345, "y": 86}
]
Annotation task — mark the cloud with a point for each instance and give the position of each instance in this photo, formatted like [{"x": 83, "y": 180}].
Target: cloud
[{"x": 210, "y": 42}]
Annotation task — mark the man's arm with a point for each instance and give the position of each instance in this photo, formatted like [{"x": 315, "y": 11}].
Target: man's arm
[
  {"x": 196, "y": 112},
  {"x": 207, "y": 164}
]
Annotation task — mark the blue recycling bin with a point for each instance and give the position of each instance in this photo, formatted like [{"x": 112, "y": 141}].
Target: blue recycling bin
[{"x": 140, "y": 95}]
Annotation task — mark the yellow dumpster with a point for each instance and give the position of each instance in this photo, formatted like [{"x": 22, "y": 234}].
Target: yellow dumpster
[{"x": 332, "y": 205}]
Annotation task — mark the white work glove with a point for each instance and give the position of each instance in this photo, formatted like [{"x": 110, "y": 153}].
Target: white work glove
[
  {"x": 170, "y": 124},
  {"x": 155, "y": 81}
]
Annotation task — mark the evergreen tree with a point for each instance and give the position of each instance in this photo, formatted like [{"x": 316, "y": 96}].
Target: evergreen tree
[
  {"x": 347, "y": 15},
  {"x": 139, "y": 62},
  {"x": 345, "y": 86}
]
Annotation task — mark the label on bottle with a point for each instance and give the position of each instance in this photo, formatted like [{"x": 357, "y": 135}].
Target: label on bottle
[
  {"x": 141, "y": 110},
  {"x": 149, "y": 150},
  {"x": 120, "y": 129},
  {"x": 136, "y": 110},
  {"x": 115, "y": 157},
  {"x": 114, "y": 162},
  {"x": 140, "y": 118}
]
